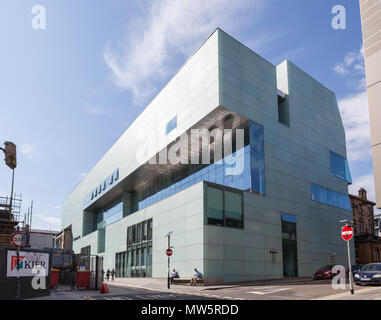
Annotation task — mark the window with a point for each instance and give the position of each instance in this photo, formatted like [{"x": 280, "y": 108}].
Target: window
[
  {"x": 257, "y": 150},
  {"x": 223, "y": 207},
  {"x": 283, "y": 110},
  {"x": 289, "y": 245},
  {"x": 101, "y": 240},
  {"x": 138, "y": 257},
  {"x": 215, "y": 209},
  {"x": 339, "y": 167},
  {"x": 330, "y": 197},
  {"x": 233, "y": 209},
  {"x": 171, "y": 125}
]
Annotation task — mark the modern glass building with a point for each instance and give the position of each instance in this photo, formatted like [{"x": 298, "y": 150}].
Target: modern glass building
[{"x": 244, "y": 161}]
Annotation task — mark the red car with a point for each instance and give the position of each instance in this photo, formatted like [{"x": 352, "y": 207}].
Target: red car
[{"x": 325, "y": 272}]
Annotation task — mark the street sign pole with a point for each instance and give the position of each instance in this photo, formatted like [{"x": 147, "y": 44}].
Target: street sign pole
[
  {"x": 169, "y": 246},
  {"x": 350, "y": 269},
  {"x": 18, "y": 274},
  {"x": 347, "y": 235}
]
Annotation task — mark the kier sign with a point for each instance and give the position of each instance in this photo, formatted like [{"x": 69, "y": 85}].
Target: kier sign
[{"x": 347, "y": 233}]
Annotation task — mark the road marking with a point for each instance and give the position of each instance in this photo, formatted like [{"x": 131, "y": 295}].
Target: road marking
[{"x": 269, "y": 290}]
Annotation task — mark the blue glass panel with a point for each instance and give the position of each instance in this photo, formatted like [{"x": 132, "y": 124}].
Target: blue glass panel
[
  {"x": 257, "y": 138},
  {"x": 171, "y": 125},
  {"x": 288, "y": 217},
  {"x": 339, "y": 167},
  {"x": 257, "y": 161},
  {"x": 319, "y": 194}
]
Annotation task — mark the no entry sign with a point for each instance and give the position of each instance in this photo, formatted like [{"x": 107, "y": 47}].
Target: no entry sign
[
  {"x": 169, "y": 252},
  {"x": 347, "y": 233}
]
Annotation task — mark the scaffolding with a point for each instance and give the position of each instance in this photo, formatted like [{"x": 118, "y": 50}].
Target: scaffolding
[{"x": 9, "y": 218}]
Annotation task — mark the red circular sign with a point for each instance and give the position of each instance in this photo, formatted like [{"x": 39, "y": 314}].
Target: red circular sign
[
  {"x": 169, "y": 252},
  {"x": 17, "y": 239},
  {"x": 347, "y": 233}
]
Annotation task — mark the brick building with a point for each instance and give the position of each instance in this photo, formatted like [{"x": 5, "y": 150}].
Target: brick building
[{"x": 367, "y": 244}]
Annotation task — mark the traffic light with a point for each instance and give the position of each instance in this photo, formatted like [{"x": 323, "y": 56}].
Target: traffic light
[{"x": 10, "y": 154}]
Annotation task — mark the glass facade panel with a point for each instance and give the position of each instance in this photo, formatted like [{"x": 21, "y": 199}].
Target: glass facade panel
[
  {"x": 339, "y": 167},
  {"x": 101, "y": 240},
  {"x": 215, "y": 206},
  {"x": 223, "y": 207},
  {"x": 289, "y": 245},
  {"x": 171, "y": 125},
  {"x": 330, "y": 197},
  {"x": 257, "y": 151},
  {"x": 137, "y": 260}
]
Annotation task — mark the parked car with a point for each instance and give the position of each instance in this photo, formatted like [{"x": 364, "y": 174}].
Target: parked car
[
  {"x": 370, "y": 273},
  {"x": 356, "y": 268},
  {"x": 325, "y": 272}
]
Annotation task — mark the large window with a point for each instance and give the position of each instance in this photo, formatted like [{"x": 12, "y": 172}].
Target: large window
[
  {"x": 224, "y": 207},
  {"x": 339, "y": 167},
  {"x": 257, "y": 149},
  {"x": 137, "y": 260},
  {"x": 171, "y": 125},
  {"x": 330, "y": 197},
  {"x": 215, "y": 206},
  {"x": 101, "y": 240},
  {"x": 289, "y": 245}
]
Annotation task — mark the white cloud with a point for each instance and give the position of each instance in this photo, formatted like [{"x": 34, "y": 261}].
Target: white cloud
[
  {"x": 169, "y": 29},
  {"x": 353, "y": 67},
  {"x": 355, "y": 114},
  {"x": 28, "y": 150}
]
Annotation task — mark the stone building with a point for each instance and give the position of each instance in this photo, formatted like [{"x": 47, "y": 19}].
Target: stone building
[{"x": 367, "y": 244}]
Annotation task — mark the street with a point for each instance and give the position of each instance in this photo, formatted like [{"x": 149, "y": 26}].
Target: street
[{"x": 293, "y": 290}]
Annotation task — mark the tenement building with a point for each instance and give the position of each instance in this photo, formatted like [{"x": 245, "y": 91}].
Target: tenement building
[
  {"x": 371, "y": 31},
  {"x": 367, "y": 243},
  {"x": 243, "y": 161}
]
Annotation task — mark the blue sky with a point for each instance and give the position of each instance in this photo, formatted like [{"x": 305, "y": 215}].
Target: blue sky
[{"x": 69, "y": 91}]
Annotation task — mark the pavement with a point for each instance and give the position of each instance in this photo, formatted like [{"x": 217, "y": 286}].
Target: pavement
[{"x": 282, "y": 289}]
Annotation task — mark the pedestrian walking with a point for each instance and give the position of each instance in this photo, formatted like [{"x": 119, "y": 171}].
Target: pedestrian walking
[
  {"x": 103, "y": 274},
  {"x": 108, "y": 274},
  {"x": 112, "y": 274}
]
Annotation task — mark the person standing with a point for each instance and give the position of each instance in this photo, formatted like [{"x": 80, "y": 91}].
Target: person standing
[
  {"x": 108, "y": 274},
  {"x": 112, "y": 274},
  {"x": 103, "y": 274}
]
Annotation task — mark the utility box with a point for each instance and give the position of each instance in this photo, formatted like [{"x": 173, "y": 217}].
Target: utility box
[{"x": 32, "y": 279}]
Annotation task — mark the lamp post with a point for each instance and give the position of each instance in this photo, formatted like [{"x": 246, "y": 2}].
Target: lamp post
[
  {"x": 348, "y": 223},
  {"x": 168, "y": 235}
]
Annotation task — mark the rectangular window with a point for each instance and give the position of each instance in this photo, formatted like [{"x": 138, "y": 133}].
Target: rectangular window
[
  {"x": 171, "y": 125},
  {"x": 289, "y": 246},
  {"x": 223, "y": 207},
  {"x": 101, "y": 240},
  {"x": 257, "y": 150},
  {"x": 330, "y": 197},
  {"x": 214, "y": 209},
  {"x": 339, "y": 167},
  {"x": 233, "y": 209},
  {"x": 283, "y": 110}
]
